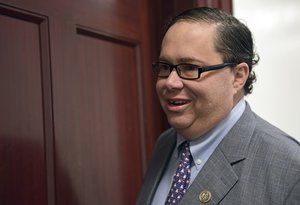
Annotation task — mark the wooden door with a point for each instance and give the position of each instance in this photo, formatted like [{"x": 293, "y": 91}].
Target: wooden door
[{"x": 78, "y": 111}]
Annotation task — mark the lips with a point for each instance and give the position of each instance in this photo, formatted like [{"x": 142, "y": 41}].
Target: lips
[{"x": 177, "y": 105}]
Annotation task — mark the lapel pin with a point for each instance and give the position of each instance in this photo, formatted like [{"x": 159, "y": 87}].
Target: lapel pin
[{"x": 205, "y": 196}]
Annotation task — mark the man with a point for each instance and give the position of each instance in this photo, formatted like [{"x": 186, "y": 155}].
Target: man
[{"x": 217, "y": 151}]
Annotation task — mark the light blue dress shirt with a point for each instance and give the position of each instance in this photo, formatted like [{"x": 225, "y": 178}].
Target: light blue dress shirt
[{"x": 201, "y": 150}]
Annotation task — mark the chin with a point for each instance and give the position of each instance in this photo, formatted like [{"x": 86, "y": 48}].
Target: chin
[{"x": 178, "y": 123}]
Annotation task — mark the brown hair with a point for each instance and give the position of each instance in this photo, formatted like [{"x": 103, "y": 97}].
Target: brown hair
[{"x": 234, "y": 40}]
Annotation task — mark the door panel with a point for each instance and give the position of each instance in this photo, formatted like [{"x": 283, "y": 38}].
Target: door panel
[
  {"x": 97, "y": 118},
  {"x": 23, "y": 167}
]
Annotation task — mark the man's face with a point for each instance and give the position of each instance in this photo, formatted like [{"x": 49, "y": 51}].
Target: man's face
[{"x": 194, "y": 106}]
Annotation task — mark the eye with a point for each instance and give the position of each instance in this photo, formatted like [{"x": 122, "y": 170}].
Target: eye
[
  {"x": 161, "y": 69},
  {"x": 164, "y": 67},
  {"x": 189, "y": 67}
]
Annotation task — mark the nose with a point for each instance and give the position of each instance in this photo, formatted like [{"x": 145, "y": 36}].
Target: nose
[{"x": 174, "y": 81}]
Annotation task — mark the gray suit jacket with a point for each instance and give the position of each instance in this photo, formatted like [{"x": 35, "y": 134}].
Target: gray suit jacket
[{"x": 255, "y": 164}]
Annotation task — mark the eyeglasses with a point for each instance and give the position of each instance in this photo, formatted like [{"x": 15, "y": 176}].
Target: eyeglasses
[{"x": 185, "y": 70}]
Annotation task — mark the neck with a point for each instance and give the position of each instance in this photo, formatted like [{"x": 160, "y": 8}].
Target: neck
[{"x": 199, "y": 129}]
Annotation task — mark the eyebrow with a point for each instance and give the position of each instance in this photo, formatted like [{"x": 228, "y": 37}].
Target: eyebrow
[
  {"x": 185, "y": 60},
  {"x": 190, "y": 59}
]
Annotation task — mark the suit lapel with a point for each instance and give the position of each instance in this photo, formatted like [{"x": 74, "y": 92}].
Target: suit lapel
[{"x": 218, "y": 175}]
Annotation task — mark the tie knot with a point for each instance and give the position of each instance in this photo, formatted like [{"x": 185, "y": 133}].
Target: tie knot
[
  {"x": 185, "y": 154},
  {"x": 185, "y": 148}
]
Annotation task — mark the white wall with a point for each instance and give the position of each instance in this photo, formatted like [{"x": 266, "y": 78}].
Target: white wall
[{"x": 275, "y": 25}]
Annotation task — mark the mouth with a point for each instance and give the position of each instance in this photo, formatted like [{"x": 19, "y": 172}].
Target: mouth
[{"x": 178, "y": 102}]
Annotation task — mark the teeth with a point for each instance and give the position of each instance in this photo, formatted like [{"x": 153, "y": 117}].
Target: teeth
[{"x": 177, "y": 102}]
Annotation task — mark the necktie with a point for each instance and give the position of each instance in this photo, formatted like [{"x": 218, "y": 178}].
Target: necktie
[{"x": 181, "y": 178}]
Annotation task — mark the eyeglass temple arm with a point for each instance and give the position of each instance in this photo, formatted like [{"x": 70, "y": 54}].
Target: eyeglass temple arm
[{"x": 216, "y": 67}]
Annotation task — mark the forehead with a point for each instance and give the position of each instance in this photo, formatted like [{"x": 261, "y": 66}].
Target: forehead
[{"x": 187, "y": 39}]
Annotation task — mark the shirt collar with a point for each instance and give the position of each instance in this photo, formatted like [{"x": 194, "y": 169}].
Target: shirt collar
[{"x": 203, "y": 146}]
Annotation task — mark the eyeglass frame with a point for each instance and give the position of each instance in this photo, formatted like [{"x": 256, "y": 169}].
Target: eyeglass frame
[{"x": 200, "y": 69}]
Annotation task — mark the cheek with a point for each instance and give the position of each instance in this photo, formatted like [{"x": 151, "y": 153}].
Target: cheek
[
  {"x": 214, "y": 91},
  {"x": 160, "y": 90},
  {"x": 159, "y": 87},
  {"x": 225, "y": 93},
  {"x": 229, "y": 86}
]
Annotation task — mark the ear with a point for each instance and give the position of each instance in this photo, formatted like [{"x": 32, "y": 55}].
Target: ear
[{"x": 241, "y": 73}]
